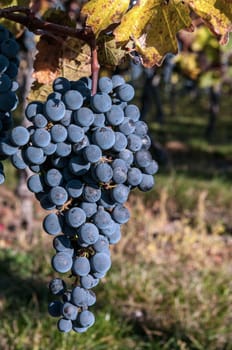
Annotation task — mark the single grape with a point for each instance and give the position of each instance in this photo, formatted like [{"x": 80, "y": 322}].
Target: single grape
[
  {"x": 64, "y": 325},
  {"x": 52, "y": 224},
  {"x": 73, "y": 99},
  {"x": 81, "y": 266},
  {"x": 62, "y": 262}
]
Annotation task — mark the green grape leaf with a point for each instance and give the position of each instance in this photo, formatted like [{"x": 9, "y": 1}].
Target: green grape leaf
[
  {"x": 39, "y": 92},
  {"x": 102, "y": 14},
  {"x": 152, "y": 25},
  {"x": 108, "y": 53},
  {"x": 217, "y": 14}
]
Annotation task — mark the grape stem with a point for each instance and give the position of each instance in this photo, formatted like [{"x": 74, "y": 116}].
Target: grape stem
[{"x": 26, "y": 17}]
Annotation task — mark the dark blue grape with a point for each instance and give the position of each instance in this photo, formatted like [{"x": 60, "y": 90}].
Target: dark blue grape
[
  {"x": 115, "y": 115},
  {"x": 88, "y": 282},
  {"x": 88, "y": 233},
  {"x": 132, "y": 111},
  {"x": 63, "y": 244},
  {"x": 61, "y": 84},
  {"x": 89, "y": 208},
  {"x": 17, "y": 160},
  {"x": 120, "y": 141},
  {"x": 78, "y": 166},
  {"x": 99, "y": 119},
  {"x": 119, "y": 175},
  {"x": 105, "y": 85},
  {"x": 100, "y": 262},
  {"x": 102, "y": 218},
  {"x": 117, "y": 80},
  {"x": 134, "y": 176},
  {"x": 152, "y": 168},
  {"x": 8, "y": 101},
  {"x": 101, "y": 102},
  {"x": 81, "y": 266},
  {"x": 73, "y": 99},
  {"x": 134, "y": 142},
  {"x": 125, "y": 92},
  {"x": 58, "y": 195},
  {"x": 141, "y": 128},
  {"x": 35, "y": 183},
  {"x": 92, "y": 153},
  {"x": 33, "y": 108},
  {"x": 120, "y": 193},
  {"x": 54, "y": 109},
  {"x": 75, "y": 133},
  {"x": 75, "y": 217},
  {"x": 101, "y": 245},
  {"x": 4, "y": 33},
  {"x": 104, "y": 172},
  {"x": 69, "y": 311},
  {"x": 39, "y": 121},
  {"x": 50, "y": 149},
  {"x": 143, "y": 158},
  {"x": 86, "y": 318},
  {"x": 74, "y": 188},
  {"x": 91, "y": 193},
  {"x": 104, "y": 137},
  {"x": 4, "y": 63},
  {"x": 62, "y": 262},
  {"x": 58, "y": 133},
  {"x": 19, "y": 136},
  {"x": 120, "y": 214},
  {"x": 41, "y": 138},
  {"x": 52, "y": 224},
  {"x": 34, "y": 155},
  {"x": 9, "y": 48},
  {"x": 57, "y": 286},
  {"x": 54, "y": 308},
  {"x": 84, "y": 116},
  {"x": 7, "y": 149},
  {"x": 64, "y": 325},
  {"x": 127, "y": 127},
  {"x": 63, "y": 149},
  {"x": 5, "y": 83},
  {"x": 116, "y": 236},
  {"x": 147, "y": 183}
]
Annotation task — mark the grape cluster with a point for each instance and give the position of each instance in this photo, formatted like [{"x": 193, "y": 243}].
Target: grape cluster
[
  {"x": 8, "y": 98},
  {"x": 87, "y": 153}
]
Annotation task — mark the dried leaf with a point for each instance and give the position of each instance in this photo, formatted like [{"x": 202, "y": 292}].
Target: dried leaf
[
  {"x": 217, "y": 14},
  {"x": 39, "y": 92},
  {"x": 101, "y": 14},
  {"x": 46, "y": 64}
]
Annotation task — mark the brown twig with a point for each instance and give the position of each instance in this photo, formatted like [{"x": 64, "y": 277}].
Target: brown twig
[{"x": 26, "y": 17}]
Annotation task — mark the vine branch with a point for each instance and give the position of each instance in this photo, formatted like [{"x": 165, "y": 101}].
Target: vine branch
[{"x": 26, "y": 17}]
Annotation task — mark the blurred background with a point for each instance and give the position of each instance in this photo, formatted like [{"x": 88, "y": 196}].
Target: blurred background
[{"x": 170, "y": 283}]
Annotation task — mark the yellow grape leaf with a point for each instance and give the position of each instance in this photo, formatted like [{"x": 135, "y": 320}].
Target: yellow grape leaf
[
  {"x": 108, "y": 53},
  {"x": 217, "y": 14},
  {"x": 76, "y": 59},
  {"x": 102, "y": 14},
  {"x": 153, "y": 25}
]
